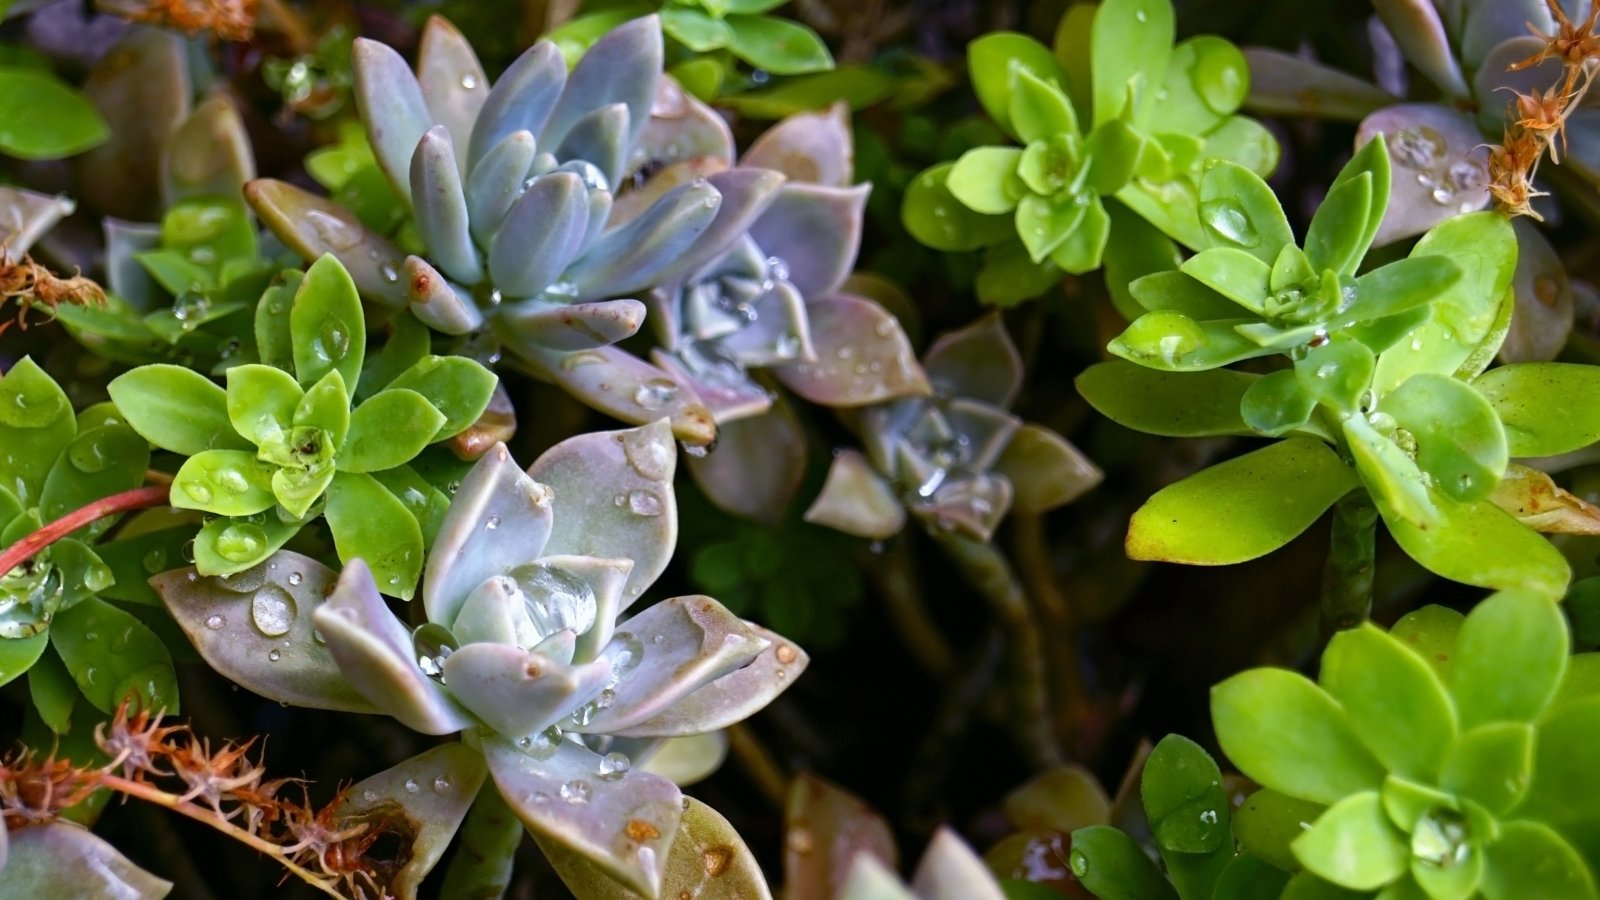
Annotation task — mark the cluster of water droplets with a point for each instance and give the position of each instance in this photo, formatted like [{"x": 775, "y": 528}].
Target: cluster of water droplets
[{"x": 1447, "y": 178}]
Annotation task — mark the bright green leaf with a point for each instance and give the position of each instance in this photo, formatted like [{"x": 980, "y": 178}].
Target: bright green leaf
[
  {"x": 1354, "y": 844},
  {"x": 1114, "y": 867},
  {"x": 370, "y": 524},
  {"x": 1510, "y": 656},
  {"x": 1397, "y": 705},
  {"x": 1492, "y": 765},
  {"x": 387, "y": 430},
  {"x": 984, "y": 180},
  {"x": 1546, "y": 407},
  {"x": 935, "y": 217},
  {"x": 114, "y": 657},
  {"x": 46, "y": 119},
  {"x": 456, "y": 386},
  {"x": 1184, "y": 798},
  {"x": 1172, "y": 404},
  {"x": 1240, "y": 211},
  {"x": 224, "y": 482},
  {"x": 1132, "y": 40},
  {"x": 176, "y": 409},
  {"x": 327, "y": 325},
  {"x": 261, "y": 402},
  {"x": 1478, "y": 543},
  {"x": 1459, "y": 441},
  {"x": 992, "y": 61},
  {"x": 777, "y": 45}
]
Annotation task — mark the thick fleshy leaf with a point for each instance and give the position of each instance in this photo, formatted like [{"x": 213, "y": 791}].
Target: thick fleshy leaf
[
  {"x": 374, "y": 652},
  {"x": 494, "y": 495},
  {"x": 387, "y": 430},
  {"x": 143, "y": 89},
  {"x": 1539, "y": 503},
  {"x": 392, "y": 108},
  {"x": 933, "y": 215},
  {"x": 826, "y": 829},
  {"x": 599, "y": 138},
  {"x": 29, "y": 215},
  {"x": 1233, "y": 273},
  {"x": 869, "y": 879},
  {"x": 1354, "y": 844},
  {"x": 1397, "y": 704},
  {"x": 851, "y": 336},
  {"x": 1417, "y": 28},
  {"x": 1045, "y": 470},
  {"x": 518, "y": 692},
  {"x": 440, "y": 205},
  {"x": 114, "y": 657},
  {"x": 1492, "y": 765},
  {"x": 453, "y": 84},
  {"x": 1130, "y": 44},
  {"x": 811, "y": 148},
  {"x": 1285, "y": 733},
  {"x": 521, "y": 100},
  {"x": 991, "y": 62},
  {"x": 978, "y": 361},
  {"x": 1477, "y": 543},
  {"x": 1459, "y": 440},
  {"x": 622, "y": 67},
  {"x": 1172, "y": 404},
  {"x": 1239, "y": 210},
  {"x": 1174, "y": 342},
  {"x": 64, "y": 859},
  {"x": 626, "y": 387},
  {"x": 1113, "y": 866},
  {"x": 312, "y": 225},
  {"x": 541, "y": 235},
  {"x": 636, "y": 465},
  {"x": 985, "y": 180},
  {"x": 572, "y": 327},
  {"x": 1286, "y": 84},
  {"x": 628, "y": 257},
  {"x": 261, "y": 401},
  {"x": 422, "y": 802},
  {"x": 733, "y": 697},
  {"x": 747, "y": 194},
  {"x": 224, "y": 482},
  {"x": 1542, "y": 318},
  {"x": 758, "y": 465},
  {"x": 255, "y": 628},
  {"x": 1279, "y": 490},
  {"x": 950, "y": 870},
  {"x": 668, "y": 651},
  {"x": 496, "y": 182},
  {"x": 1483, "y": 245},
  {"x": 621, "y": 822},
  {"x": 457, "y": 386},
  {"x": 209, "y": 155},
  {"x": 857, "y": 500},
  {"x": 1440, "y": 165},
  {"x": 436, "y": 302},
  {"x": 1184, "y": 798},
  {"x": 1531, "y": 860},
  {"x": 176, "y": 409},
  {"x": 327, "y": 323},
  {"x": 1510, "y": 657},
  {"x": 816, "y": 231}
]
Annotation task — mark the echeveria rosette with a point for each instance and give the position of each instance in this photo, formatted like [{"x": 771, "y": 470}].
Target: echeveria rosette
[
  {"x": 274, "y": 449},
  {"x": 773, "y": 301},
  {"x": 1137, "y": 130},
  {"x": 516, "y": 193},
  {"x": 524, "y": 649},
  {"x": 1376, "y": 397},
  {"x": 957, "y": 460},
  {"x": 1447, "y": 758},
  {"x": 1464, "y": 50},
  {"x": 54, "y": 624}
]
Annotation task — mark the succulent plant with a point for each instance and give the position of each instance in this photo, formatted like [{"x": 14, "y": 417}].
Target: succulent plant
[
  {"x": 54, "y": 624},
  {"x": 1444, "y": 758},
  {"x": 265, "y": 455},
  {"x": 957, "y": 460},
  {"x": 1137, "y": 126},
  {"x": 1467, "y": 52},
  {"x": 518, "y": 195},
  {"x": 1383, "y": 370},
  {"x": 525, "y": 650},
  {"x": 774, "y": 301}
]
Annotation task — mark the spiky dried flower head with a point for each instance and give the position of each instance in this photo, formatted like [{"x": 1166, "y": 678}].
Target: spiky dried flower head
[
  {"x": 29, "y": 284},
  {"x": 230, "y": 20}
]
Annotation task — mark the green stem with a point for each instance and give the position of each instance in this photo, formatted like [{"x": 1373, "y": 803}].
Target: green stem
[
  {"x": 985, "y": 568},
  {"x": 481, "y": 868},
  {"x": 1347, "y": 576},
  {"x": 894, "y": 573}
]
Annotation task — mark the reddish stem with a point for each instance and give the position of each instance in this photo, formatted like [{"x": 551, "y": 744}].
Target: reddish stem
[{"x": 127, "y": 501}]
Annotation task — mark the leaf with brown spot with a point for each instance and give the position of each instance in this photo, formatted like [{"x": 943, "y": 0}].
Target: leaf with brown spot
[{"x": 1539, "y": 503}]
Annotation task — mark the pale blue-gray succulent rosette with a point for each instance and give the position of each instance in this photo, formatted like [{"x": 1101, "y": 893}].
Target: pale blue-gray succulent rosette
[
  {"x": 527, "y": 649},
  {"x": 525, "y": 196}
]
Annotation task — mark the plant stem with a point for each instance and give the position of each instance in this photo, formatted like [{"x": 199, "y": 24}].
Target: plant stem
[
  {"x": 481, "y": 867},
  {"x": 758, "y": 763},
  {"x": 987, "y": 571},
  {"x": 127, "y": 501},
  {"x": 896, "y": 580},
  {"x": 155, "y": 795},
  {"x": 1059, "y": 619},
  {"x": 1347, "y": 576}
]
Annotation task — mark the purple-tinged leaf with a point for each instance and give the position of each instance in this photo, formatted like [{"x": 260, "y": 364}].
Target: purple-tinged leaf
[
  {"x": 600, "y": 138},
  {"x": 1285, "y": 84},
  {"x": 540, "y": 235},
  {"x": 255, "y": 628},
  {"x": 746, "y": 194},
  {"x": 1542, "y": 317},
  {"x": 629, "y": 257},
  {"x": 781, "y": 332},
  {"x": 519, "y": 692},
  {"x": 453, "y": 84},
  {"x": 732, "y": 698},
  {"x": 422, "y": 801},
  {"x": 978, "y": 361},
  {"x": 636, "y": 515},
  {"x": 681, "y": 128},
  {"x": 1486, "y": 24},
  {"x": 757, "y": 467},
  {"x": 498, "y": 518},
  {"x": 126, "y": 277},
  {"x": 863, "y": 356},
  {"x": 29, "y": 214},
  {"x": 312, "y": 225},
  {"x": 636, "y": 197},
  {"x": 1496, "y": 85},
  {"x": 575, "y": 326},
  {"x": 973, "y": 506},
  {"x": 521, "y": 99},
  {"x": 668, "y": 651},
  {"x": 392, "y": 108},
  {"x": 437, "y": 302},
  {"x": 622, "y": 823},
  {"x": 622, "y": 67},
  {"x": 1440, "y": 166},
  {"x": 624, "y": 386},
  {"x": 441, "y": 207},
  {"x": 816, "y": 231},
  {"x": 1045, "y": 470},
  {"x": 374, "y": 651},
  {"x": 142, "y": 87},
  {"x": 209, "y": 155},
  {"x": 810, "y": 148},
  {"x": 856, "y": 500},
  {"x": 495, "y": 183},
  {"x": 64, "y": 859},
  {"x": 1417, "y": 29},
  {"x": 716, "y": 379}
]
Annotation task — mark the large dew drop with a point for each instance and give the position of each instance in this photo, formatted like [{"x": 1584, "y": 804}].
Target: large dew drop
[{"x": 272, "y": 610}]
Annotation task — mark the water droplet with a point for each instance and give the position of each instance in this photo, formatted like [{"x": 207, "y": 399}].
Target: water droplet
[
  {"x": 197, "y": 491},
  {"x": 1079, "y": 861},
  {"x": 389, "y": 273},
  {"x": 577, "y": 791},
  {"x": 295, "y": 578},
  {"x": 433, "y": 643},
  {"x": 412, "y": 786},
  {"x": 442, "y": 784},
  {"x": 644, "y": 503},
  {"x": 86, "y": 455},
  {"x": 241, "y": 542},
  {"x": 274, "y": 655},
  {"x": 491, "y": 523},
  {"x": 231, "y": 480},
  {"x": 613, "y": 766},
  {"x": 272, "y": 610},
  {"x": 1227, "y": 218},
  {"x": 155, "y": 560},
  {"x": 469, "y": 82},
  {"x": 1142, "y": 16},
  {"x": 332, "y": 341},
  {"x": 655, "y": 393}
]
